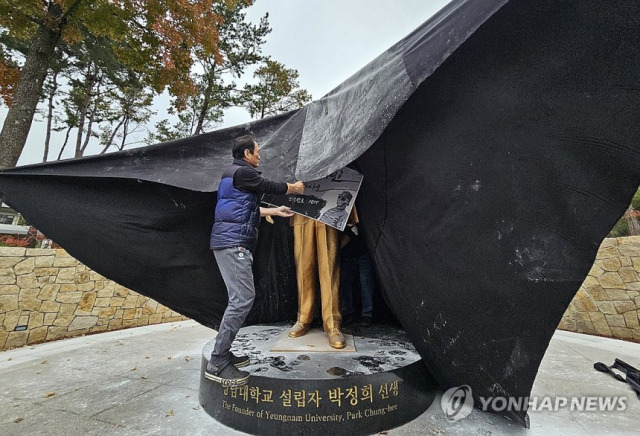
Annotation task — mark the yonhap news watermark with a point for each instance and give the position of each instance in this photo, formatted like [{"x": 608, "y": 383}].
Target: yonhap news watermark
[{"x": 458, "y": 402}]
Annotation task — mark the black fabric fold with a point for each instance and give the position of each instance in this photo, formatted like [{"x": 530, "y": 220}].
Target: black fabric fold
[{"x": 494, "y": 165}]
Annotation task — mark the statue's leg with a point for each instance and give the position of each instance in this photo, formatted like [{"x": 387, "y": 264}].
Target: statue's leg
[
  {"x": 329, "y": 272},
  {"x": 304, "y": 250}
]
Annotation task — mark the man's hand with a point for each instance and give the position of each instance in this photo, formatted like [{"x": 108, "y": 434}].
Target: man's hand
[
  {"x": 295, "y": 188},
  {"x": 283, "y": 211}
]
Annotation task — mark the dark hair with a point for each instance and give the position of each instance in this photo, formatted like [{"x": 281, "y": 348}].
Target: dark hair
[{"x": 243, "y": 143}]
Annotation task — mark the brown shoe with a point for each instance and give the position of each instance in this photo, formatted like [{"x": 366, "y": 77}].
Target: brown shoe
[
  {"x": 299, "y": 329},
  {"x": 336, "y": 338}
]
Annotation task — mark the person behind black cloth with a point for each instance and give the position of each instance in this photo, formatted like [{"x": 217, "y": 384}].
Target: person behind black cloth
[{"x": 355, "y": 259}]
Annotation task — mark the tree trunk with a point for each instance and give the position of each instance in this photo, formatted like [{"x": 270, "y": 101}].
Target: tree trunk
[
  {"x": 125, "y": 132},
  {"x": 113, "y": 135},
  {"x": 92, "y": 115},
  {"x": 66, "y": 141},
  {"x": 84, "y": 108},
  {"x": 52, "y": 92},
  {"x": 206, "y": 100},
  {"x": 20, "y": 115}
]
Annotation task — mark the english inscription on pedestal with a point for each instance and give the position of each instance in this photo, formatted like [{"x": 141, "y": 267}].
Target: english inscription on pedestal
[{"x": 338, "y": 404}]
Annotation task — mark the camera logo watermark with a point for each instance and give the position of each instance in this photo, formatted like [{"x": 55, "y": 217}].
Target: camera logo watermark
[{"x": 457, "y": 403}]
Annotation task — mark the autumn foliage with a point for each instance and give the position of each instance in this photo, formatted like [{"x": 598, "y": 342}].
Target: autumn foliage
[
  {"x": 106, "y": 59},
  {"x": 9, "y": 75},
  {"x": 155, "y": 37}
]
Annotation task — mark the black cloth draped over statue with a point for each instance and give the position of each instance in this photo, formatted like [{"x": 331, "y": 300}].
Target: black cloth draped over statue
[{"x": 499, "y": 144}]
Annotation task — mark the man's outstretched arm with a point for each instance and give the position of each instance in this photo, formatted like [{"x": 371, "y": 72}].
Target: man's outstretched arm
[
  {"x": 283, "y": 211},
  {"x": 249, "y": 180}
]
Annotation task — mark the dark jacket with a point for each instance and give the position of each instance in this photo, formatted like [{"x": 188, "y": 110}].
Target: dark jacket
[
  {"x": 356, "y": 246},
  {"x": 237, "y": 213}
]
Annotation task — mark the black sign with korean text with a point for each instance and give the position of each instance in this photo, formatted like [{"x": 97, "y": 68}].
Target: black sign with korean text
[{"x": 328, "y": 200}]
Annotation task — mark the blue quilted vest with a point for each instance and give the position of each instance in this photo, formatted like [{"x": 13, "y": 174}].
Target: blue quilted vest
[{"x": 237, "y": 215}]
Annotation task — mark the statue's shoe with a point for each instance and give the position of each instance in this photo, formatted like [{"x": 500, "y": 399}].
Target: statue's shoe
[
  {"x": 299, "y": 329},
  {"x": 336, "y": 338}
]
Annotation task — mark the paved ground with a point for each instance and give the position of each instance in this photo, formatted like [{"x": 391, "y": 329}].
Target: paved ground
[{"x": 144, "y": 381}]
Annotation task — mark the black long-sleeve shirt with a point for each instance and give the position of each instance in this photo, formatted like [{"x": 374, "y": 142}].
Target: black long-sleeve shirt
[{"x": 248, "y": 179}]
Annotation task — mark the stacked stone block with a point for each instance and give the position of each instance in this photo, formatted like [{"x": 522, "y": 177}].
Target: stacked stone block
[
  {"x": 608, "y": 302},
  {"x": 47, "y": 295}
]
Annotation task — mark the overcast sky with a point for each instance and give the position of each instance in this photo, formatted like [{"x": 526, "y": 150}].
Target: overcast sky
[{"x": 325, "y": 40}]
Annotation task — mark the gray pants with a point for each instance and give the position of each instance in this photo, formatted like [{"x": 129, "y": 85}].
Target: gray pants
[{"x": 235, "y": 267}]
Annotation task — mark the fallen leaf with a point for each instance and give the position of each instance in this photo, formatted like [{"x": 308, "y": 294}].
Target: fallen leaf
[
  {"x": 169, "y": 358},
  {"x": 196, "y": 408},
  {"x": 134, "y": 368},
  {"x": 187, "y": 358},
  {"x": 10, "y": 358},
  {"x": 49, "y": 394},
  {"x": 43, "y": 362},
  {"x": 116, "y": 426},
  {"x": 18, "y": 419},
  {"x": 146, "y": 357},
  {"x": 170, "y": 413},
  {"x": 144, "y": 377}
]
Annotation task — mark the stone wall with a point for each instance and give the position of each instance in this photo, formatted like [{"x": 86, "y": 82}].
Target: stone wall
[
  {"x": 608, "y": 302},
  {"x": 47, "y": 295}
]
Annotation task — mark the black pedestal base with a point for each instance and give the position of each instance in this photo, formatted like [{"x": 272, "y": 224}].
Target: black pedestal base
[{"x": 382, "y": 385}]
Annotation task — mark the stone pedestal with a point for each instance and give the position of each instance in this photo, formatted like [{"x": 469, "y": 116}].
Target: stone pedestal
[{"x": 302, "y": 386}]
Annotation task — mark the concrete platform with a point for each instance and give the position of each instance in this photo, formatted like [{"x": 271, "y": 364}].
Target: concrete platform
[{"x": 145, "y": 381}]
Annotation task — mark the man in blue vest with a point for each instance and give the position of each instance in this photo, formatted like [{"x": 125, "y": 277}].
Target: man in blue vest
[{"x": 233, "y": 239}]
